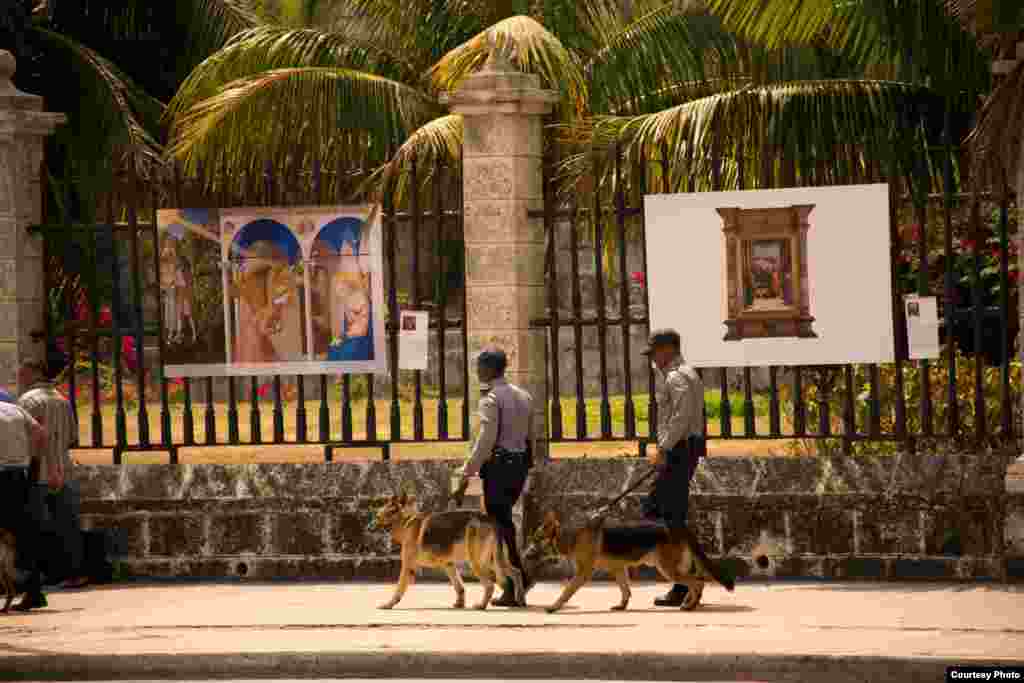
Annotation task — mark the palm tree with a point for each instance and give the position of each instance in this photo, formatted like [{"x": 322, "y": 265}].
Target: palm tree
[
  {"x": 938, "y": 40},
  {"x": 662, "y": 73},
  {"x": 124, "y": 61}
]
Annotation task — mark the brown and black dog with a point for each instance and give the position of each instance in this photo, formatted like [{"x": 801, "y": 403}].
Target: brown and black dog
[
  {"x": 676, "y": 554},
  {"x": 8, "y": 575},
  {"x": 442, "y": 539}
]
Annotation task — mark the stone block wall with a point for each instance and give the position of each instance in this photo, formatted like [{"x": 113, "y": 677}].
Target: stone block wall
[{"x": 798, "y": 517}]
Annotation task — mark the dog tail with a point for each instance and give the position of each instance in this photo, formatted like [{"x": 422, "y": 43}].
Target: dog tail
[{"x": 718, "y": 573}]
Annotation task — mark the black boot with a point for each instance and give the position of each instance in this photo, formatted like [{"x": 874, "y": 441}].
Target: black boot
[
  {"x": 508, "y": 596},
  {"x": 674, "y": 598}
]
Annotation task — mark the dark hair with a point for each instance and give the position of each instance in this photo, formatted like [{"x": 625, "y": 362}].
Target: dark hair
[
  {"x": 493, "y": 360},
  {"x": 56, "y": 363}
]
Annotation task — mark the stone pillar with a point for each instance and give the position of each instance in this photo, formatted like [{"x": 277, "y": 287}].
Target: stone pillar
[
  {"x": 502, "y": 110},
  {"x": 23, "y": 128}
]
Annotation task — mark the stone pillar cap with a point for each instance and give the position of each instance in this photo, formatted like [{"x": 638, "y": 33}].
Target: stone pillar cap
[
  {"x": 500, "y": 87},
  {"x": 11, "y": 97}
]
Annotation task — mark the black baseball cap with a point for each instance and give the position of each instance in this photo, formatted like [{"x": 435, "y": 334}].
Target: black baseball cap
[
  {"x": 664, "y": 337},
  {"x": 494, "y": 359}
]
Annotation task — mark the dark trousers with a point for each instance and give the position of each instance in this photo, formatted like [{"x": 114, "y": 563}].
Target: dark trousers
[
  {"x": 670, "y": 496},
  {"x": 65, "y": 520},
  {"x": 39, "y": 535},
  {"x": 504, "y": 480}
]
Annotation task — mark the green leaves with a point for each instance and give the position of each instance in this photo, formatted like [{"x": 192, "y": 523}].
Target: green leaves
[
  {"x": 298, "y": 112},
  {"x": 114, "y": 117},
  {"x": 846, "y": 120},
  {"x": 533, "y": 48},
  {"x": 437, "y": 143}
]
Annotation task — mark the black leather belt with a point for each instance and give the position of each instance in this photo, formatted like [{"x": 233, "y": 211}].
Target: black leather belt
[{"x": 508, "y": 456}]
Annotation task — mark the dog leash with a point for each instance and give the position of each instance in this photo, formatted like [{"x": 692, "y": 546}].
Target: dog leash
[{"x": 602, "y": 511}]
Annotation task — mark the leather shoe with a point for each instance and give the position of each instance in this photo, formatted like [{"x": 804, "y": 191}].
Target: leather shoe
[
  {"x": 674, "y": 598},
  {"x": 508, "y": 596}
]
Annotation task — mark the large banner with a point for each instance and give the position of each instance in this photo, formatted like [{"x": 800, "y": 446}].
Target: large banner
[
  {"x": 272, "y": 291},
  {"x": 773, "y": 277}
]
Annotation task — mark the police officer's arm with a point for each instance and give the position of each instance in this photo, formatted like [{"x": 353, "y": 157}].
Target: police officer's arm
[
  {"x": 679, "y": 396},
  {"x": 486, "y": 439}
]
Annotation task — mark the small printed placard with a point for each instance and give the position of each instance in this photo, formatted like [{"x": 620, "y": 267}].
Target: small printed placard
[
  {"x": 922, "y": 315},
  {"x": 413, "y": 340}
]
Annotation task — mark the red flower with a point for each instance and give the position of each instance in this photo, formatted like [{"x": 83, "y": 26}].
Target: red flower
[
  {"x": 912, "y": 232},
  {"x": 264, "y": 390},
  {"x": 128, "y": 352},
  {"x": 106, "y": 316},
  {"x": 61, "y": 344},
  {"x": 967, "y": 244},
  {"x": 638, "y": 278}
]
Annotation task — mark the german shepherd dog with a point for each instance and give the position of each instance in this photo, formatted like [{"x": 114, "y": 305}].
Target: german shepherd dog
[
  {"x": 8, "y": 575},
  {"x": 676, "y": 554},
  {"x": 442, "y": 539}
]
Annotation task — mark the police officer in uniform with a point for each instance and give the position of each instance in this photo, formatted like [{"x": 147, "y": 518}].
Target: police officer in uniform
[
  {"x": 502, "y": 454},
  {"x": 680, "y": 401}
]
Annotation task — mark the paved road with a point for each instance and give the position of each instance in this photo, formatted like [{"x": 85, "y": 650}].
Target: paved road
[{"x": 841, "y": 631}]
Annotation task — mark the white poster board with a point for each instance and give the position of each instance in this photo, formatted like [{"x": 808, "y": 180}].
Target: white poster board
[
  {"x": 413, "y": 340},
  {"x": 699, "y": 273},
  {"x": 922, "y": 314}
]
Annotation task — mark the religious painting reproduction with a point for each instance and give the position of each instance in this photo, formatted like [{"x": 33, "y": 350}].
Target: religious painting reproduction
[
  {"x": 785, "y": 277},
  {"x": 190, "y": 284},
  {"x": 301, "y": 293},
  {"x": 766, "y": 282}
]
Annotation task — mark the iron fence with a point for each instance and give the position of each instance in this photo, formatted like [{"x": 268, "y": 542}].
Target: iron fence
[
  {"x": 129, "y": 405},
  {"x": 854, "y": 406},
  {"x": 596, "y": 238}
]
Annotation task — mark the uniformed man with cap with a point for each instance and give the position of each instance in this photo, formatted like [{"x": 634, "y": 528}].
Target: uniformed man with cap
[
  {"x": 680, "y": 401},
  {"x": 502, "y": 454}
]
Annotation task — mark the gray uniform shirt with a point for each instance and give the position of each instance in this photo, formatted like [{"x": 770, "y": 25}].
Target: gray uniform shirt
[
  {"x": 515, "y": 405},
  {"x": 43, "y": 402},
  {"x": 680, "y": 398},
  {"x": 15, "y": 436}
]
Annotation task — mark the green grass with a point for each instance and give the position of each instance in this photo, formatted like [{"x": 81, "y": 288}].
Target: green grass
[{"x": 430, "y": 409}]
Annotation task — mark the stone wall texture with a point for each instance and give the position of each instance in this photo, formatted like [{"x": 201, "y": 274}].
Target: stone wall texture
[{"x": 900, "y": 517}]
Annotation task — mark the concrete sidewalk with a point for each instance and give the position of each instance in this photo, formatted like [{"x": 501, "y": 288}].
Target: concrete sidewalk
[{"x": 762, "y": 631}]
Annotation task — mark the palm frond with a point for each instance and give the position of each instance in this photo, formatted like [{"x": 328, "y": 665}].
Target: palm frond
[
  {"x": 663, "y": 46},
  {"x": 212, "y": 23},
  {"x": 112, "y": 120},
  {"x": 533, "y": 48},
  {"x": 424, "y": 30},
  {"x": 297, "y": 112},
  {"x": 437, "y": 143},
  {"x": 921, "y": 37},
  {"x": 997, "y": 139},
  {"x": 758, "y": 128},
  {"x": 274, "y": 47}
]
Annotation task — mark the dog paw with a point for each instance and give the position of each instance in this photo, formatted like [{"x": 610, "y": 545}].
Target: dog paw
[
  {"x": 459, "y": 605},
  {"x": 480, "y": 606},
  {"x": 619, "y": 608}
]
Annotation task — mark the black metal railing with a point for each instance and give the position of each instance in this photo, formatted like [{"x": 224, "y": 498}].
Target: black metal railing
[
  {"x": 852, "y": 405},
  {"x": 119, "y": 345}
]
